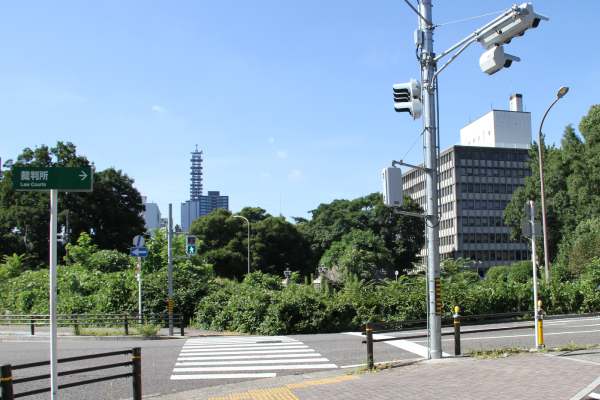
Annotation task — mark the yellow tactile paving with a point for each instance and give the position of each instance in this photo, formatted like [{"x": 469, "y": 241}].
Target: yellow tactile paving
[
  {"x": 281, "y": 393},
  {"x": 239, "y": 396}
]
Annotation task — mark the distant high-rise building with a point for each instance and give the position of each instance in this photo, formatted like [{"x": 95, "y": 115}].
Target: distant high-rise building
[
  {"x": 196, "y": 173},
  {"x": 198, "y": 205}
]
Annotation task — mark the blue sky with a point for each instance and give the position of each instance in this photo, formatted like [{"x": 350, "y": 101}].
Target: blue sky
[{"x": 290, "y": 101}]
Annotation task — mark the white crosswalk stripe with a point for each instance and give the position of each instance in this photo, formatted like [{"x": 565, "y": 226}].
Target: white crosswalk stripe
[{"x": 245, "y": 357}]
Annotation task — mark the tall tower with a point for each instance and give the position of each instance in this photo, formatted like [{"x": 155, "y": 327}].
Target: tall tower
[{"x": 196, "y": 173}]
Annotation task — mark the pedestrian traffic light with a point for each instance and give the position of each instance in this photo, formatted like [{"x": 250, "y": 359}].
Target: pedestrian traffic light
[
  {"x": 495, "y": 59},
  {"x": 515, "y": 22},
  {"x": 407, "y": 97},
  {"x": 190, "y": 245}
]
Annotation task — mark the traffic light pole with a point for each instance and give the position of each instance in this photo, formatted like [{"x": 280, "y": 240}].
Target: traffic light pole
[
  {"x": 170, "y": 244},
  {"x": 428, "y": 67}
]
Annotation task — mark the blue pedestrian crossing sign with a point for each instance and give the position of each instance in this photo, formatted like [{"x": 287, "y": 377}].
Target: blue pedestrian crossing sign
[{"x": 138, "y": 252}]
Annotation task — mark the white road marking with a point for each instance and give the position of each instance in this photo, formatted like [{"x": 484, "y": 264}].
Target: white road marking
[
  {"x": 315, "y": 354},
  {"x": 240, "y": 362},
  {"x": 195, "y": 349},
  {"x": 594, "y": 395},
  {"x": 232, "y": 346},
  {"x": 201, "y": 353},
  {"x": 255, "y": 368},
  {"x": 237, "y": 358},
  {"x": 406, "y": 345},
  {"x": 225, "y": 376}
]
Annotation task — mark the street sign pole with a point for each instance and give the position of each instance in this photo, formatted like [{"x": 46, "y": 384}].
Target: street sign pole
[
  {"x": 428, "y": 68},
  {"x": 170, "y": 243},
  {"x": 139, "y": 276},
  {"x": 53, "y": 280}
]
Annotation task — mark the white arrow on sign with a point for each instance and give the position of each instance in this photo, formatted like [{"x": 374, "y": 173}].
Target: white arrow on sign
[
  {"x": 135, "y": 252},
  {"x": 83, "y": 175}
]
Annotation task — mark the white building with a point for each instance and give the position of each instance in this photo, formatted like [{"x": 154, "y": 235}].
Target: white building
[
  {"x": 152, "y": 215},
  {"x": 498, "y": 128}
]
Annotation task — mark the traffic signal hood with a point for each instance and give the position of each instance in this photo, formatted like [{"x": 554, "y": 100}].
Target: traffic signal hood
[{"x": 407, "y": 97}]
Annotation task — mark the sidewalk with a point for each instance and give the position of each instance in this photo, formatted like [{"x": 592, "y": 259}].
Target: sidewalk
[
  {"x": 570, "y": 375},
  {"x": 42, "y": 333}
]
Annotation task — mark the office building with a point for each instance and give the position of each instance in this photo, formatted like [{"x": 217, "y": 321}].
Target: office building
[
  {"x": 152, "y": 216},
  {"x": 476, "y": 180}
]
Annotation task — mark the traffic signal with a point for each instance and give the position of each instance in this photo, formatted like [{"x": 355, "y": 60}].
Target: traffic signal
[
  {"x": 407, "y": 97},
  {"x": 62, "y": 237},
  {"x": 190, "y": 245},
  {"x": 514, "y": 23},
  {"x": 495, "y": 59}
]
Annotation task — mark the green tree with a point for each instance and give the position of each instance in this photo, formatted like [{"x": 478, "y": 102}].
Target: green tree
[
  {"x": 110, "y": 214},
  {"x": 403, "y": 236},
  {"x": 358, "y": 253}
]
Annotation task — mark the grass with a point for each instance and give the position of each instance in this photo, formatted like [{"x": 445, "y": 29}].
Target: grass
[
  {"x": 376, "y": 368},
  {"x": 482, "y": 353}
]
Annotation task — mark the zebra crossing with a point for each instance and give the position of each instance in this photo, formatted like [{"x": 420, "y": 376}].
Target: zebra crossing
[{"x": 245, "y": 357}]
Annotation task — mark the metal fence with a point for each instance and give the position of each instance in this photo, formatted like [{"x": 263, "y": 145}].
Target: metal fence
[
  {"x": 124, "y": 320},
  {"x": 7, "y": 382},
  {"x": 371, "y": 328}
]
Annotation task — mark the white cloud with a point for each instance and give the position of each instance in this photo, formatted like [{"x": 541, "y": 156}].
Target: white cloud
[
  {"x": 272, "y": 140},
  {"x": 159, "y": 109},
  {"x": 295, "y": 174},
  {"x": 281, "y": 154}
]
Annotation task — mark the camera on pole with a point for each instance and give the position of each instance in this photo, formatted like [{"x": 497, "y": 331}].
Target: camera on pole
[
  {"x": 520, "y": 19},
  {"x": 407, "y": 97},
  {"x": 495, "y": 59},
  {"x": 506, "y": 29},
  {"x": 190, "y": 245}
]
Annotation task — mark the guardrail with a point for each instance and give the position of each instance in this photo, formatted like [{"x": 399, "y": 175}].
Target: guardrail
[
  {"x": 76, "y": 320},
  {"x": 370, "y": 328},
  {"x": 7, "y": 382}
]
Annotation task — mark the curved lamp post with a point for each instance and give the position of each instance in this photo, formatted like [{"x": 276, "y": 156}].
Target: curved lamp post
[
  {"x": 561, "y": 92},
  {"x": 239, "y": 216}
]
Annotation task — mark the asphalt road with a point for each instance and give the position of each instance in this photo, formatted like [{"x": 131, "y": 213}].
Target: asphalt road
[{"x": 177, "y": 365}]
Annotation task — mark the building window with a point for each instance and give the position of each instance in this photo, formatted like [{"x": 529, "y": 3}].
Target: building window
[
  {"x": 465, "y": 238},
  {"x": 485, "y": 256},
  {"x": 485, "y": 238},
  {"x": 464, "y": 204},
  {"x": 471, "y": 221},
  {"x": 492, "y": 255},
  {"x": 472, "y": 205},
  {"x": 496, "y": 173},
  {"x": 478, "y": 237},
  {"x": 477, "y": 221},
  {"x": 484, "y": 205},
  {"x": 484, "y": 221},
  {"x": 498, "y": 222}
]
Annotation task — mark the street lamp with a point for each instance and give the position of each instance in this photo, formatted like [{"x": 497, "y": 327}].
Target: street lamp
[
  {"x": 396, "y": 272},
  {"x": 561, "y": 92},
  {"x": 239, "y": 216}
]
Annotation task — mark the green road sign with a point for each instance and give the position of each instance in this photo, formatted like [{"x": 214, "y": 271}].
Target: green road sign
[{"x": 66, "y": 179}]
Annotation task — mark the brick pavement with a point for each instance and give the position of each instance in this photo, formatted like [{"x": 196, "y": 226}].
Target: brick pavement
[{"x": 517, "y": 377}]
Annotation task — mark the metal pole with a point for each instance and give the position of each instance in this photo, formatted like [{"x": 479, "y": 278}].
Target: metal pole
[
  {"x": 457, "y": 351},
  {"x": 136, "y": 358},
  {"x": 535, "y": 292},
  {"x": 139, "y": 276},
  {"x": 6, "y": 382},
  {"x": 428, "y": 67},
  {"x": 170, "y": 242},
  {"x": 53, "y": 280},
  {"x": 369, "y": 335},
  {"x": 248, "y": 244},
  {"x": 546, "y": 259}
]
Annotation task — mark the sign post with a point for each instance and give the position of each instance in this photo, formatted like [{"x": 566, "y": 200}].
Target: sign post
[
  {"x": 533, "y": 228},
  {"x": 53, "y": 179},
  {"x": 137, "y": 242}
]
